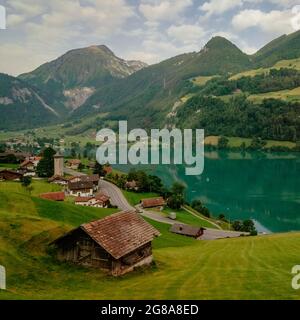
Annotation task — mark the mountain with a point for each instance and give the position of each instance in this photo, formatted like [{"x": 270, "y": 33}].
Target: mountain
[
  {"x": 148, "y": 95},
  {"x": 22, "y": 107},
  {"x": 283, "y": 48},
  {"x": 73, "y": 77}
]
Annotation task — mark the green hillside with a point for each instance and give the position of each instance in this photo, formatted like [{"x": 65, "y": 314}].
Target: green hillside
[
  {"x": 283, "y": 48},
  {"x": 243, "y": 268},
  {"x": 22, "y": 106}
]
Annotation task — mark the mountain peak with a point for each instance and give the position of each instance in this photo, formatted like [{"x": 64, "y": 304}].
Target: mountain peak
[
  {"x": 219, "y": 42},
  {"x": 101, "y": 47}
]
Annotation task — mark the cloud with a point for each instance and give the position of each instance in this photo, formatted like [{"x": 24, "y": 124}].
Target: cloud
[
  {"x": 215, "y": 7},
  {"x": 274, "y": 22},
  {"x": 187, "y": 34},
  {"x": 167, "y": 10},
  {"x": 50, "y": 28}
]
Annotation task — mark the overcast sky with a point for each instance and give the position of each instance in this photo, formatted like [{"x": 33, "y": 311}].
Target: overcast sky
[{"x": 149, "y": 30}]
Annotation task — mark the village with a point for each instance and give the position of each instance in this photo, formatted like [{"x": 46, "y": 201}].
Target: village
[{"x": 122, "y": 241}]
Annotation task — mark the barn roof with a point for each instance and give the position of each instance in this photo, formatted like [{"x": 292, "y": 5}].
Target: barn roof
[
  {"x": 121, "y": 233},
  {"x": 57, "y": 177},
  {"x": 80, "y": 185},
  {"x": 83, "y": 199},
  {"x": 56, "y": 196},
  {"x": 102, "y": 197},
  {"x": 153, "y": 202}
]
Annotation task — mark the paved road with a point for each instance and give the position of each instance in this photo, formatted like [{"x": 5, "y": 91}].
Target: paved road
[{"x": 116, "y": 196}]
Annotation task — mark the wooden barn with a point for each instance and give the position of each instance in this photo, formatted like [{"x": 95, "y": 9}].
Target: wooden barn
[
  {"x": 186, "y": 230},
  {"x": 10, "y": 175},
  {"x": 54, "y": 196},
  {"x": 117, "y": 243},
  {"x": 153, "y": 202}
]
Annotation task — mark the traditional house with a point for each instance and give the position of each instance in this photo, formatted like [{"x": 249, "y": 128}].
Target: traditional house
[
  {"x": 83, "y": 201},
  {"x": 186, "y": 230},
  {"x": 58, "y": 180},
  {"x": 99, "y": 201},
  {"x": 153, "y": 202},
  {"x": 94, "y": 179},
  {"x": 131, "y": 185},
  {"x": 73, "y": 164},
  {"x": 10, "y": 175},
  {"x": 81, "y": 188},
  {"x": 54, "y": 196},
  {"x": 27, "y": 167},
  {"x": 102, "y": 200},
  {"x": 117, "y": 243}
]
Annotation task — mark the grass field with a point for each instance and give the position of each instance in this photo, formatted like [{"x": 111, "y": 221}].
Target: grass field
[
  {"x": 8, "y": 166},
  {"x": 235, "y": 142},
  {"x": 243, "y": 268},
  {"x": 187, "y": 218},
  {"x": 293, "y": 63},
  {"x": 288, "y": 95}
]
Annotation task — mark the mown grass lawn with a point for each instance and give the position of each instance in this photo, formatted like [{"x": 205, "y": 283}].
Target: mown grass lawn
[{"x": 242, "y": 268}]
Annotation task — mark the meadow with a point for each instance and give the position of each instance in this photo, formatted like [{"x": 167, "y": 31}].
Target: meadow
[{"x": 242, "y": 268}]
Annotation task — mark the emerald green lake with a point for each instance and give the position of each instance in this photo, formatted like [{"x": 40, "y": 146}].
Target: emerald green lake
[{"x": 263, "y": 187}]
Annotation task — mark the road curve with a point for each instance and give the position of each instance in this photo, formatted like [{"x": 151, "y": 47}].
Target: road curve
[{"x": 116, "y": 196}]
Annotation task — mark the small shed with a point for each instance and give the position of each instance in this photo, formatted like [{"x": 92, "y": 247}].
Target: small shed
[
  {"x": 117, "y": 243},
  {"x": 153, "y": 202},
  {"x": 187, "y": 230}
]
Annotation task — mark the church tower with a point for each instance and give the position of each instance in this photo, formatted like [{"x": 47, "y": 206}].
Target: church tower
[{"x": 58, "y": 164}]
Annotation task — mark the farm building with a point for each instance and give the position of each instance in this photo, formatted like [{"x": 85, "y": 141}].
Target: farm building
[
  {"x": 153, "y": 202},
  {"x": 55, "y": 196},
  {"x": 186, "y": 230},
  {"x": 117, "y": 243},
  {"x": 58, "y": 180},
  {"x": 10, "y": 175},
  {"x": 83, "y": 201},
  {"x": 131, "y": 185},
  {"x": 81, "y": 189},
  {"x": 73, "y": 164},
  {"x": 94, "y": 179}
]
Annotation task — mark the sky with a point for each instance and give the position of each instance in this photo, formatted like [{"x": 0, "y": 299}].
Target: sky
[{"x": 38, "y": 31}]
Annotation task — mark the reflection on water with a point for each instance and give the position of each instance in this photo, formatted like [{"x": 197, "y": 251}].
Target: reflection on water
[{"x": 264, "y": 187}]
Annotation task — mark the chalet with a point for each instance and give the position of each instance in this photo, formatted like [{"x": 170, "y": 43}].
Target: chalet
[
  {"x": 57, "y": 179},
  {"x": 94, "y": 179},
  {"x": 102, "y": 200},
  {"x": 153, "y": 202},
  {"x": 131, "y": 185},
  {"x": 10, "y": 175},
  {"x": 186, "y": 230},
  {"x": 83, "y": 201},
  {"x": 27, "y": 167},
  {"x": 99, "y": 201},
  {"x": 73, "y": 164},
  {"x": 81, "y": 188},
  {"x": 117, "y": 243},
  {"x": 54, "y": 196}
]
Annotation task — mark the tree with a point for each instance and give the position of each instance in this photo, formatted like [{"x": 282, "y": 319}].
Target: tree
[
  {"x": 45, "y": 167},
  {"x": 178, "y": 188},
  {"x": 223, "y": 143},
  {"x": 26, "y": 181},
  {"x": 81, "y": 166},
  {"x": 176, "y": 200},
  {"x": 99, "y": 169}
]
